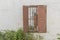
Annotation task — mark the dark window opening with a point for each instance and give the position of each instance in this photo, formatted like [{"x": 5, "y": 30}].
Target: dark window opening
[{"x": 32, "y": 21}]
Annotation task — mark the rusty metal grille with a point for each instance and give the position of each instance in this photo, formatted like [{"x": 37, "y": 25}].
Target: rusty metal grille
[{"x": 32, "y": 11}]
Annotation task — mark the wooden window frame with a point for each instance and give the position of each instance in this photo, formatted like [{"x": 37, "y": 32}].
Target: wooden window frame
[{"x": 42, "y": 27}]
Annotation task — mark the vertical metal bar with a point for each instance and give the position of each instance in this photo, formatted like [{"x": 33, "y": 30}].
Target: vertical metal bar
[
  {"x": 30, "y": 15},
  {"x": 33, "y": 18},
  {"x": 36, "y": 19},
  {"x": 30, "y": 18},
  {"x": 34, "y": 15}
]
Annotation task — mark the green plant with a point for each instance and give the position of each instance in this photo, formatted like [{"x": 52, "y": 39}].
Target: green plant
[
  {"x": 16, "y": 35},
  {"x": 1, "y": 36},
  {"x": 10, "y": 35},
  {"x": 20, "y": 35},
  {"x": 58, "y": 36}
]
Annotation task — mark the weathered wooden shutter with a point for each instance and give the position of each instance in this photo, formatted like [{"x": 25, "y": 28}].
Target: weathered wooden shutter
[
  {"x": 25, "y": 18},
  {"x": 41, "y": 12}
]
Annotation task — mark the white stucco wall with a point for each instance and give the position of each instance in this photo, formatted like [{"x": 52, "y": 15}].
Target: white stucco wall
[{"x": 11, "y": 15}]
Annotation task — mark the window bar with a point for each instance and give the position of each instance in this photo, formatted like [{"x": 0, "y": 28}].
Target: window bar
[
  {"x": 34, "y": 16},
  {"x": 32, "y": 13},
  {"x": 32, "y": 19},
  {"x": 37, "y": 19},
  {"x": 29, "y": 16}
]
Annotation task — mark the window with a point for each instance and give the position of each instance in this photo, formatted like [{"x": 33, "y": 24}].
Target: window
[
  {"x": 32, "y": 12},
  {"x": 34, "y": 18}
]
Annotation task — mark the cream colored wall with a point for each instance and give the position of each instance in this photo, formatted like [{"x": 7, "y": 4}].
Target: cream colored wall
[{"x": 11, "y": 15}]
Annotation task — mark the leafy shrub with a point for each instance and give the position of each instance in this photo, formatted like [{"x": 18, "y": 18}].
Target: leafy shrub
[
  {"x": 1, "y": 36},
  {"x": 58, "y": 36},
  {"x": 18, "y": 35},
  {"x": 10, "y": 35}
]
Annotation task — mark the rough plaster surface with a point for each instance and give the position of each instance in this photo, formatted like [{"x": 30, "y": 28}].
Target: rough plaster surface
[{"x": 11, "y": 15}]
